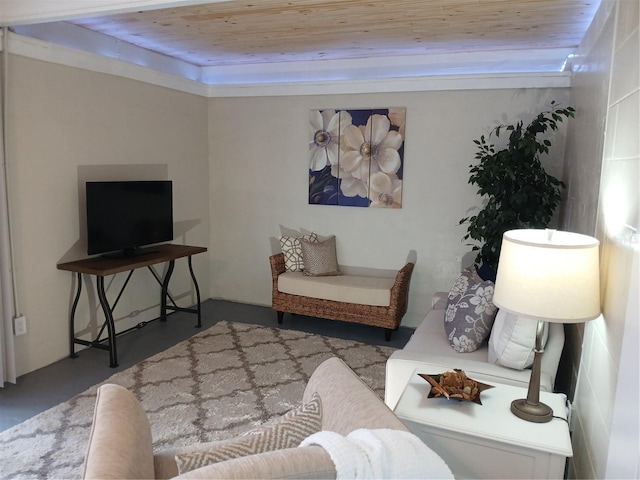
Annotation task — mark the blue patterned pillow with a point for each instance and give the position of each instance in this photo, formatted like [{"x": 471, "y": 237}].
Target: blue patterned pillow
[{"x": 470, "y": 311}]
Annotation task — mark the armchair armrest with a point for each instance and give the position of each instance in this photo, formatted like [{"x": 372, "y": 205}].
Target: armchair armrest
[
  {"x": 120, "y": 444},
  {"x": 399, "y": 300},
  {"x": 277, "y": 264}
]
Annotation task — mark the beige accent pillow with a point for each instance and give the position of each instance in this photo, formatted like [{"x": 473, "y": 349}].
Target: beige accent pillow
[
  {"x": 290, "y": 430},
  {"x": 292, "y": 251},
  {"x": 320, "y": 258}
]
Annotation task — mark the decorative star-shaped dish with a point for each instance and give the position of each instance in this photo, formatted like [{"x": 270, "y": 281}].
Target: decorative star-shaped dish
[{"x": 455, "y": 385}]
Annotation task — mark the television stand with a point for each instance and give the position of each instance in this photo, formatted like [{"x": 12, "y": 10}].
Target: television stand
[
  {"x": 105, "y": 266},
  {"x": 130, "y": 252}
]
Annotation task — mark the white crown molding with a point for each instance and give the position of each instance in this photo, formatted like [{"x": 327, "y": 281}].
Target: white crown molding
[
  {"x": 532, "y": 61},
  {"x": 24, "y": 12},
  {"x": 49, "y": 52},
  {"x": 124, "y": 60},
  {"x": 66, "y": 34},
  {"x": 397, "y": 85}
]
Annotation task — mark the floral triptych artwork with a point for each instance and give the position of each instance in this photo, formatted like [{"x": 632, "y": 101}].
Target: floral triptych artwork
[{"x": 356, "y": 157}]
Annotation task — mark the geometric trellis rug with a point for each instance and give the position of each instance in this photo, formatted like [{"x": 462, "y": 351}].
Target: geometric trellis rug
[{"x": 215, "y": 385}]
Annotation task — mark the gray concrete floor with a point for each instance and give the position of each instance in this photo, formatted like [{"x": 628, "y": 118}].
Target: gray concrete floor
[{"x": 44, "y": 388}]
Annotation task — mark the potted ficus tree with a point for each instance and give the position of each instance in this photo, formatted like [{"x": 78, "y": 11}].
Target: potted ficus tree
[{"x": 518, "y": 192}]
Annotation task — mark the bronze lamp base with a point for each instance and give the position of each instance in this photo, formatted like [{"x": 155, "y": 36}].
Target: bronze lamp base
[{"x": 539, "y": 413}]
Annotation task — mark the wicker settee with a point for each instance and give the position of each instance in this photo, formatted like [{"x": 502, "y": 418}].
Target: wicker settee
[{"x": 384, "y": 316}]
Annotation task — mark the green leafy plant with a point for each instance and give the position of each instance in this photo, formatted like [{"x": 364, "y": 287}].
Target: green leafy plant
[{"x": 519, "y": 192}]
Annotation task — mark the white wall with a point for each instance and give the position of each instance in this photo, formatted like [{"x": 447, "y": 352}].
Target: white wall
[
  {"x": 259, "y": 173},
  {"x": 66, "y": 126},
  {"x": 606, "y": 92}
]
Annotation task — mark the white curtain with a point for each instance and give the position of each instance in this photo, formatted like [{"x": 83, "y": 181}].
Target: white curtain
[{"x": 7, "y": 357}]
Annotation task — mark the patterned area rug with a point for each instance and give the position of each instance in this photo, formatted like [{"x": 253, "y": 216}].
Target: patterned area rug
[{"x": 219, "y": 383}]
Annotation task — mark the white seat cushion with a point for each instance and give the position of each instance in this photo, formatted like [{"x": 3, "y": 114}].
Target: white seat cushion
[
  {"x": 431, "y": 332},
  {"x": 375, "y": 291}
]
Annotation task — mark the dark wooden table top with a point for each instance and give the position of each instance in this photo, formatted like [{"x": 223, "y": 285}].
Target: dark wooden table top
[{"x": 103, "y": 266}]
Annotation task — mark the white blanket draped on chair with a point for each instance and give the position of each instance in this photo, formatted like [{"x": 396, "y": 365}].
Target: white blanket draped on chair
[{"x": 380, "y": 453}]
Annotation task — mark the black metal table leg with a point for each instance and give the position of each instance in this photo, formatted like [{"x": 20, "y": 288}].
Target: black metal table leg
[
  {"x": 111, "y": 329},
  {"x": 195, "y": 283},
  {"x": 101, "y": 268},
  {"x": 72, "y": 319},
  {"x": 164, "y": 293}
]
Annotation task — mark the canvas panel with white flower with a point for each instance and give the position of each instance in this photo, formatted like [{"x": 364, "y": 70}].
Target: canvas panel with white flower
[{"x": 356, "y": 157}]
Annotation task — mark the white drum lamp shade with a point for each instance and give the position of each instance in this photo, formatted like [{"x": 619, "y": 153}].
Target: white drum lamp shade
[{"x": 549, "y": 275}]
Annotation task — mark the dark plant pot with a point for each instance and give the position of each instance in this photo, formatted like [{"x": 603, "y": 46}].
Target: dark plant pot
[{"x": 487, "y": 272}]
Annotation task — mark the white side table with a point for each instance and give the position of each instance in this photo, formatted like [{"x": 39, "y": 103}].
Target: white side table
[{"x": 487, "y": 441}]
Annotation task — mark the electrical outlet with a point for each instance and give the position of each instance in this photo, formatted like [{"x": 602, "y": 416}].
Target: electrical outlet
[{"x": 20, "y": 325}]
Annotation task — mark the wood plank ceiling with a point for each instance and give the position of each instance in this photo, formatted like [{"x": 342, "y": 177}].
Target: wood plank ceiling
[{"x": 265, "y": 31}]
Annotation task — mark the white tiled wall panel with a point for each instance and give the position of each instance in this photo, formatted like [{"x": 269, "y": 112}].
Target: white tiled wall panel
[{"x": 605, "y": 436}]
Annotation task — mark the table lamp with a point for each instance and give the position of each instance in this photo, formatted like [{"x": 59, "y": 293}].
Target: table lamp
[{"x": 548, "y": 276}]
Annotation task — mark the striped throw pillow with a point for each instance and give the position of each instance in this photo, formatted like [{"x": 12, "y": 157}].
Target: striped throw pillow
[{"x": 288, "y": 432}]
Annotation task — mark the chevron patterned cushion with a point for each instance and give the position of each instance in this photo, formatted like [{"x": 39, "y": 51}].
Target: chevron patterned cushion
[
  {"x": 292, "y": 251},
  {"x": 290, "y": 430}
]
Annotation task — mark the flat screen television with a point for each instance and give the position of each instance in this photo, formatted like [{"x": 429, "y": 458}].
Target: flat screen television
[{"x": 124, "y": 216}]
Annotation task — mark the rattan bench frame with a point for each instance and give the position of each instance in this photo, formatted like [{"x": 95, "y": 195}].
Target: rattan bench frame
[{"x": 387, "y": 317}]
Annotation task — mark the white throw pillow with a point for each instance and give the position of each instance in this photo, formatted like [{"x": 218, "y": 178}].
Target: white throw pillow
[{"x": 513, "y": 339}]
